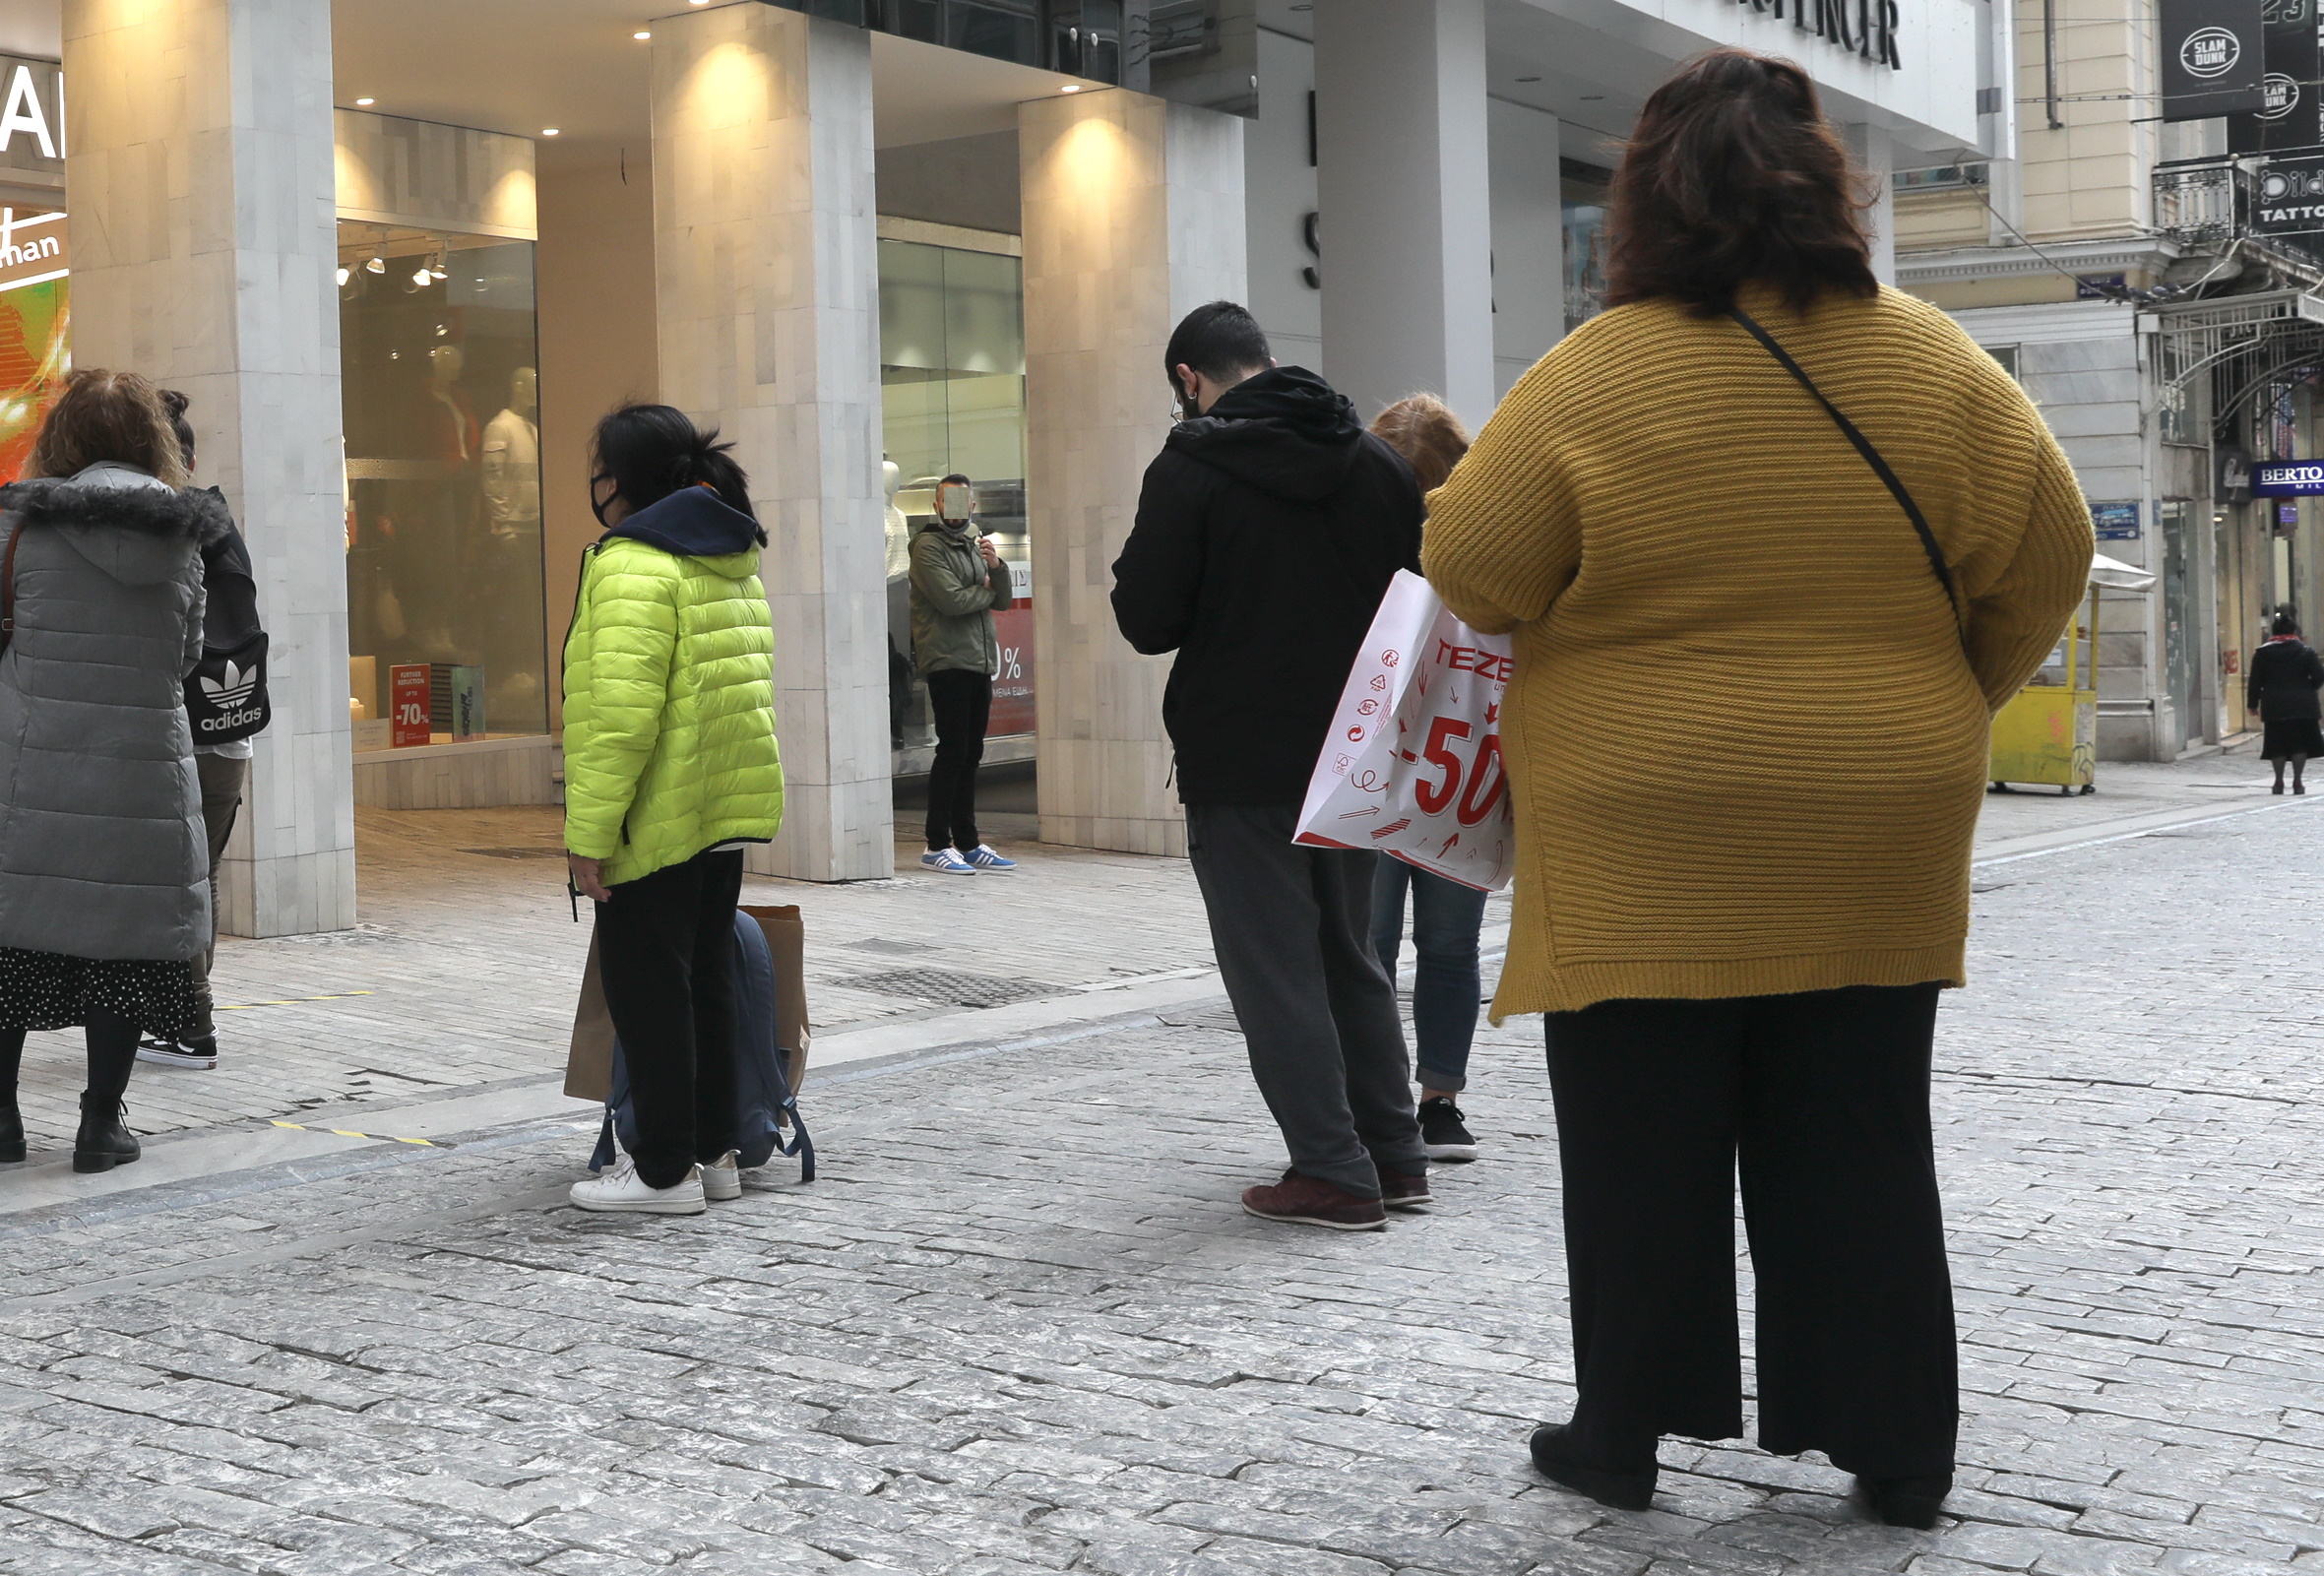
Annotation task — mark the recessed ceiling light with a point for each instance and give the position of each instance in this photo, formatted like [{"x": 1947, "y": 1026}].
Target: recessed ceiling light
[
  {"x": 641, "y": 35},
  {"x": 1071, "y": 87},
  {"x": 548, "y": 131},
  {"x": 365, "y": 103}
]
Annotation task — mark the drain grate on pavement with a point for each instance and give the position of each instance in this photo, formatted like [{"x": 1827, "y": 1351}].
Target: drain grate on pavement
[{"x": 943, "y": 984}]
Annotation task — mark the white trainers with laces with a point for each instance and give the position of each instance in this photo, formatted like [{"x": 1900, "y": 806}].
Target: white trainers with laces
[
  {"x": 721, "y": 1178},
  {"x": 621, "y": 1190}
]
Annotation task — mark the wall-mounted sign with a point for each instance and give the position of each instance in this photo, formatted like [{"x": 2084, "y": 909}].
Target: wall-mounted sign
[
  {"x": 32, "y": 119},
  {"x": 2291, "y": 196},
  {"x": 1868, "y": 27},
  {"x": 2287, "y": 114},
  {"x": 2231, "y": 477},
  {"x": 2213, "y": 60},
  {"x": 2115, "y": 522},
  {"x": 2289, "y": 479}
]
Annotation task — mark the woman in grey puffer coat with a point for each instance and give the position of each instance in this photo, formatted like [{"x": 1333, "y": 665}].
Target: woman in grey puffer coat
[{"x": 104, "y": 900}]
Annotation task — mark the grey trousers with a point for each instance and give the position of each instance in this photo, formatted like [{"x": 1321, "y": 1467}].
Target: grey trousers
[{"x": 1292, "y": 928}]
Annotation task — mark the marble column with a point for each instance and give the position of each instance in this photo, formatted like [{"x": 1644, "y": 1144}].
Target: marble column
[
  {"x": 204, "y": 237},
  {"x": 1403, "y": 191},
  {"x": 1133, "y": 215},
  {"x": 1529, "y": 240},
  {"x": 767, "y": 293},
  {"x": 1870, "y": 147}
]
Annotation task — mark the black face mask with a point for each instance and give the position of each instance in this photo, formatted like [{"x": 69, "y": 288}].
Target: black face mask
[{"x": 597, "y": 507}]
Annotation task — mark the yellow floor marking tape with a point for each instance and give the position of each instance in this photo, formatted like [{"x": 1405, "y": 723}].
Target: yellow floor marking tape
[
  {"x": 344, "y": 1132},
  {"x": 246, "y": 1006}
]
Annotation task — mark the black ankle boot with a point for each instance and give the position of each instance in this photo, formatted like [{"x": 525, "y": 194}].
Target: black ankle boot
[
  {"x": 1555, "y": 1458},
  {"x": 102, "y": 1142},
  {"x": 1908, "y": 1501},
  {"x": 12, "y": 1134}
]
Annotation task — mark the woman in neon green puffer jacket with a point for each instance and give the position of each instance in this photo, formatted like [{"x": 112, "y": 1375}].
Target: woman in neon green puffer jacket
[{"x": 670, "y": 766}]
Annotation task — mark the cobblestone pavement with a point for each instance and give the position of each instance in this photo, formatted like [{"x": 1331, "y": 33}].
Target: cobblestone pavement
[{"x": 1019, "y": 1326}]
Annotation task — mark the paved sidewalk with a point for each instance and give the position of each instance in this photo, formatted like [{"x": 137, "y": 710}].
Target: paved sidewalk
[
  {"x": 463, "y": 973},
  {"x": 1019, "y": 1326}
]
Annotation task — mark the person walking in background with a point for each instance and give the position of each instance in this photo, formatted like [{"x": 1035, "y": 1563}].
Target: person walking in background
[
  {"x": 2282, "y": 685},
  {"x": 105, "y": 895},
  {"x": 1447, "y": 983},
  {"x": 1267, "y": 532},
  {"x": 229, "y": 627},
  {"x": 670, "y": 766},
  {"x": 1742, "y": 869},
  {"x": 958, "y": 583}
]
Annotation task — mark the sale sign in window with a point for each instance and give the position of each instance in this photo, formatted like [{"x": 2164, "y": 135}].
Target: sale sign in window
[{"x": 408, "y": 703}]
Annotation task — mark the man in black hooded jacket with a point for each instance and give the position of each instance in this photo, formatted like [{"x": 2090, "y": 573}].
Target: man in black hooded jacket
[{"x": 1268, "y": 530}]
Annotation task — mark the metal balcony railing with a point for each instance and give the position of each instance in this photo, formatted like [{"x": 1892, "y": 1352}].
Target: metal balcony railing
[{"x": 2202, "y": 204}]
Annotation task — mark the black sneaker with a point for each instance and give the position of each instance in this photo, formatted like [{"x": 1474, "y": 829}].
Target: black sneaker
[
  {"x": 1442, "y": 1131},
  {"x": 202, "y": 1052}
]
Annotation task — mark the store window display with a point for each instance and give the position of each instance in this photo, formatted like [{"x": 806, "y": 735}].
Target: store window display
[
  {"x": 951, "y": 374},
  {"x": 447, "y": 629},
  {"x": 34, "y": 324}
]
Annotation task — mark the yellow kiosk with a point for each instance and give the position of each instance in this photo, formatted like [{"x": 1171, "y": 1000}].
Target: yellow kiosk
[{"x": 2047, "y": 732}]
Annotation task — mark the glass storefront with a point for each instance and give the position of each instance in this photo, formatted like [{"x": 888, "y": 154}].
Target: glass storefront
[
  {"x": 446, "y": 627},
  {"x": 952, "y": 386},
  {"x": 34, "y": 354},
  {"x": 1585, "y": 197}
]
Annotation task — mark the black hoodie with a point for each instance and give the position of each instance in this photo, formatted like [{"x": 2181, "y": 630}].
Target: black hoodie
[{"x": 1268, "y": 530}]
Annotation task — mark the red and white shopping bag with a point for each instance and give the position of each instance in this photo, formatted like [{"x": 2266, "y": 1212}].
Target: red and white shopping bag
[{"x": 1412, "y": 763}]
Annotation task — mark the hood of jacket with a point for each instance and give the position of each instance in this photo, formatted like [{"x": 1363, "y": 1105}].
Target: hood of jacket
[
  {"x": 125, "y": 522},
  {"x": 696, "y": 523},
  {"x": 1285, "y": 432}
]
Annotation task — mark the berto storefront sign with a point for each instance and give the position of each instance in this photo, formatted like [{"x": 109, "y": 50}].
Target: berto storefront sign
[
  {"x": 2212, "y": 58},
  {"x": 2287, "y": 479}
]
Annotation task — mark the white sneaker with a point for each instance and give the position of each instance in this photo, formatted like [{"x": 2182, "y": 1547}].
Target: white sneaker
[
  {"x": 946, "y": 861},
  {"x": 721, "y": 1178},
  {"x": 621, "y": 1190}
]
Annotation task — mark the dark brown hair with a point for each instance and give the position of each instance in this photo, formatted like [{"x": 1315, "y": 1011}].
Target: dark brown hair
[
  {"x": 103, "y": 415},
  {"x": 1424, "y": 430},
  {"x": 1733, "y": 175}
]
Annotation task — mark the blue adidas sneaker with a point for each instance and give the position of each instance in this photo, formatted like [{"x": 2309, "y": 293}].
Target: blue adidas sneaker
[
  {"x": 946, "y": 861},
  {"x": 986, "y": 860}
]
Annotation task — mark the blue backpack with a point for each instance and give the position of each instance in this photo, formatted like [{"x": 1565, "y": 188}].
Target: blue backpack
[{"x": 764, "y": 1092}]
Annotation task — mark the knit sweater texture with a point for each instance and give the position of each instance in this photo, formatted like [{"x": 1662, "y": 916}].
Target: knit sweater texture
[{"x": 1746, "y": 734}]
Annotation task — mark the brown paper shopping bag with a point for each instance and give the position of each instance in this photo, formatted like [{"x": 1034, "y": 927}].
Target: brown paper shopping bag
[
  {"x": 589, "y": 1060},
  {"x": 786, "y": 944}
]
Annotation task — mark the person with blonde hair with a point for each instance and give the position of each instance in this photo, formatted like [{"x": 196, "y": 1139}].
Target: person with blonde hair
[
  {"x": 1447, "y": 982},
  {"x": 1742, "y": 849},
  {"x": 104, "y": 889}
]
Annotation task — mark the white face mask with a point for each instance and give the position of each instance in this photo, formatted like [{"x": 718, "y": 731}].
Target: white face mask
[{"x": 956, "y": 503}]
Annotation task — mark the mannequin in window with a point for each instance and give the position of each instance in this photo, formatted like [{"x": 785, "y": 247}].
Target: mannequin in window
[
  {"x": 455, "y": 437},
  {"x": 512, "y": 458},
  {"x": 500, "y": 621}
]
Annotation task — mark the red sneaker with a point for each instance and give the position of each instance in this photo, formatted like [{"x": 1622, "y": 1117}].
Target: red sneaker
[
  {"x": 1310, "y": 1201},
  {"x": 1404, "y": 1190}
]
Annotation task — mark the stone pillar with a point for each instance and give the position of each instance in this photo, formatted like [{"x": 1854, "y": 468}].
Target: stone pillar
[
  {"x": 204, "y": 237},
  {"x": 1133, "y": 211},
  {"x": 766, "y": 292},
  {"x": 1402, "y": 190},
  {"x": 1529, "y": 240},
  {"x": 1869, "y": 145}
]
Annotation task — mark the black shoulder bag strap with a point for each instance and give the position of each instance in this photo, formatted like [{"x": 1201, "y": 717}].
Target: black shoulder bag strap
[{"x": 1864, "y": 446}]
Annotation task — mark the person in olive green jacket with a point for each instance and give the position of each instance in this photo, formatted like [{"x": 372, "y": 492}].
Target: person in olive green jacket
[
  {"x": 670, "y": 766},
  {"x": 958, "y": 582}
]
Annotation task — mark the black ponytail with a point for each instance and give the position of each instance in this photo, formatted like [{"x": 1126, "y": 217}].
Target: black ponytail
[{"x": 651, "y": 451}]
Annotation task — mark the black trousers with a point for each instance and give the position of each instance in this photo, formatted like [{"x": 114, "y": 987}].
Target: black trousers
[
  {"x": 665, "y": 949},
  {"x": 961, "y": 706},
  {"x": 112, "y": 1054},
  {"x": 1822, "y": 1098},
  {"x": 1291, "y": 927}
]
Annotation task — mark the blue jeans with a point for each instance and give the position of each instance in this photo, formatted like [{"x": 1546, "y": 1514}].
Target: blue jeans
[{"x": 1446, "y": 980}]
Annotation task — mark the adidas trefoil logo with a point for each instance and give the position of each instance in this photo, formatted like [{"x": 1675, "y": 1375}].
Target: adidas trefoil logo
[{"x": 232, "y": 690}]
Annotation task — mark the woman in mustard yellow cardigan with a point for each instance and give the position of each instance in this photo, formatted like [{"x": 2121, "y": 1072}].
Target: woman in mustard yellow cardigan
[{"x": 1747, "y": 739}]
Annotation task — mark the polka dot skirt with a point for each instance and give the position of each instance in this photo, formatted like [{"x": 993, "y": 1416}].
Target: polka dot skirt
[{"x": 49, "y": 991}]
